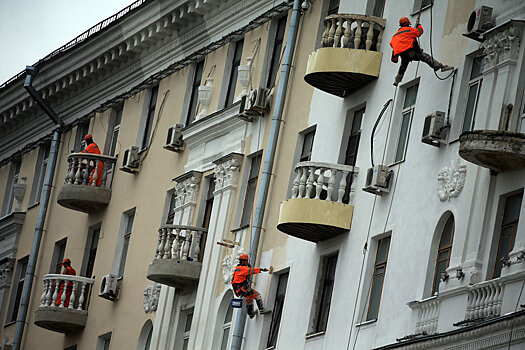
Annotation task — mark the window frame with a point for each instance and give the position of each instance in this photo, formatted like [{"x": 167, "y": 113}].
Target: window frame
[
  {"x": 377, "y": 266},
  {"x": 102, "y": 339},
  {"x": 127, "y": 218},
  {"x": 186, "y": 332},
  {"x": 14, "y": 175},
  {"x": 375, "y": 7},
  {"x": 40, "y": 174},
  {"x": 148, "y": 124},
  {"x": 333, "y": 10},
  {"x": 113, "y": 140},
  {"x": 274, "y": 60},
  {"x": 59, "y": 252},
  {"x": 476, "y": 81},
  {"x": 226, "y": 325},
  {"x": 406, "y": 112},
  {"x": 16, "y": 290},
  {"x": 251, "y": 188},
  {"x": 277, "y": 310},
  {"x": 82, "y": 131},
  {"x": 443, "y": 249},
  {"x": 306, "y": 154},
  {"x": 323, "y": 282},
  {"x": 195, "y": 82},
  {"x": 93, "y": 231},
  {"x": 235, "y": 62}
]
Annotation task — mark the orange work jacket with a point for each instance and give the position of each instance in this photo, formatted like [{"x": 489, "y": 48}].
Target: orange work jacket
[
  {"x": 404, "y": 39},
  {"x": 69, "y": 271},
  {"x": 91, "y": 148},
  {"x": 242, "y": 273}
]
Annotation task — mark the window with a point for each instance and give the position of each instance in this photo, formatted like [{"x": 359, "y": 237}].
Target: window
[
  {"x": 72, "y": 347},
  {"x": 149, "y": 117},
  {"x": 187, "y": 329},
  {"x": 277, "y": 310},
  {"x": 333, "y": 7},
  {"x": 82, "y": 131},
  {"x": 58, "y": 256},
  {"x": 308, "y": 143},
  {"x": 90, "y": 252},
  {"x": 145, "y": 336},
  {"x": 40, "y": 174},
  {"x": 115, "y": 132},
  {"x": 355, "y": 136},
  {"x": 276, "y": 52},
  {"x": 418, "y": 5},
  {"x": 16, "y": 293},
  {"x": 509, "y": 226},
  {"x": 443, "y": 255},
  {"x": 129, "y": 218},
  {"x": 379, "y": 6},
  {"x": 474, "y": 86},
  {"x": 226, "y": 328},
  {"x": 236, "y": 62},
  {"x": 406, "y": 117},
  {"x": 378, "y": 278},
  {"x": 14, "y": 173},
  {"x": 172, "y": 205},
  {"x": 325, "y": 292},
  {"x": 197, "y": 78},
  {"x": 207, "y": 215},
  {"x": 104, "y": 341},
  {"x": 250, "y": 189}
]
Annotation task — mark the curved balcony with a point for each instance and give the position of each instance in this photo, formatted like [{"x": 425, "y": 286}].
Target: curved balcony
[
  {"x": 318, "y": 209},
  {"x": 178, "y": 257},
  {"x": 86, "y": 187},
  {"x": 63, "y": 304},
  {"x": 349, "y": 57},
  {"x": 496, "y": 150}
]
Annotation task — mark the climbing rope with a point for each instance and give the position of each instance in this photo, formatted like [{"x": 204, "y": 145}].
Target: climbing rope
[{"x": 431, "y": 52}]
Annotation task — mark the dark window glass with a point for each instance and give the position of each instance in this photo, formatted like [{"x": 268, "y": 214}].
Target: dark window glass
[
  {"x": 58, "y": 254},
  {"x": 16, "y": 174},
  {"x": 207, "y": 215},
  {"x": 327, "y": 286},
  {"x": 19, "y": 286},
  {"x": 276, "y": 52},
  {"x": 277, "y": 310},
  {"x": 92, "y": 251},
  {"x": 408, "y": 107},
  {"x": 42, "y": 173},
  {"x": 82, "y": 131},
  {"x": 308, "y": 143},
  {"x": 379, "y": 6},
  {"x": 378, "y": 278},
  {"x": 509, "y": 227},
  {"x": 475, "y": 81},
  {"x": 444, "y": 250},
  {"x": 197, "y": 78},
  {"x": 189, "y": 319},
  {"x": 355, "y": 136},
  {"x": 171, "y": 210},
  {"x": 125, "y": 244},
  {"x": 250, "y": 189},
  {"x": 116, "y": 130},
  {"x": 410, "y": 97},
  {"x": 236, "y": 62},
  {"x": 149, "y": 119},
  {"x": 226, "y": 328},
  {"x": 333, "y": 7}
]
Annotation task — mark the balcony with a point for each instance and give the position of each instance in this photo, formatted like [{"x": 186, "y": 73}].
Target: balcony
[
  {"x": 497, "y": 150},
  {"x": 63, "y": 304},
  {"x": 318, "y": 209},
  {"x": 349, "y": 57},
  {"x": 87, "y": 188},
  {"x": 178, "y": 257}
]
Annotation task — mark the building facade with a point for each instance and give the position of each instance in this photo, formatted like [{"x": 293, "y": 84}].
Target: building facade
[{"x": 378, "y": 238}]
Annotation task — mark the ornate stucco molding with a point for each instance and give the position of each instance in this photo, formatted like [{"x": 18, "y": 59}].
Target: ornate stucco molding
[
  {"x": 187, "y": 188},
  {"x": 151, "y": 297},
  {"x": 229, "y": 262},
  {"x": 501, "y": 46},
  {"x": 6, "y": 272},
  {"x": 451, "y": 180},
  {"x": 227, "y": 171}
]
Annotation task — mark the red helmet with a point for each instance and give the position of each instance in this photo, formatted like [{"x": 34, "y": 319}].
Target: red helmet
[
  {"x": 404, "y": 20},
  {"x": 66, "y": 261},
  {"x": 243, "y": 257},
  {"x": 88, "y": 136}
]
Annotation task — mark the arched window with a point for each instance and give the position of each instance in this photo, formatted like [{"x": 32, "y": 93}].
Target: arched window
[
  {"x": 226, "y": 326},
  {"x": 443, "y": 254},
  {"x": 145, "y": 336}
]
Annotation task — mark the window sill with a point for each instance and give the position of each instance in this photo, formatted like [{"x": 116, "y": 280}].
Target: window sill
[
  {"x": 9, "y": 324},
  {"x": 366, "y": 323},
  {"x": 33, "y": 205},
  {"x": 396, "y": 163},
  {"x": 270, "y": 348},
  {"x": 453, "y": 141},
  {"x": 314, "y": 335},
  {"x": 242, "y": 227},
  {"x": 422, "y": 9}
]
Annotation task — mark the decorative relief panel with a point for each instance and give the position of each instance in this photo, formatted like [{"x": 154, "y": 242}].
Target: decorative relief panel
[
  {"x": 151, "y": 297},
  {"x": 227, "y": 170},
  {"x": 6, "y": 271},
  {"x": 501, "y": 47},
  {"x": 451, "y": 180},
  {"x": 229, "y": 262},
  {"x": 187, "y": 188}
]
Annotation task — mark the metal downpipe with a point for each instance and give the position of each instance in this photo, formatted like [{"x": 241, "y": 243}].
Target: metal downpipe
[
  {"x": 269, "y": 157},
  {"x": 48, "y": 181}
]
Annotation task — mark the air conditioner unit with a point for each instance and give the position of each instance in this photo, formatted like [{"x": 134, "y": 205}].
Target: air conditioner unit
[
  {"x": 131, "y": 160},
  {"x": 434, "y": 129},
  {"x": 479, "y": 21},
  {"x": 378, "y": 180},
  {"x": 109, "y": 287},
  {"x": 254, "y": 104},
  {"x": 174, "y": 140}
]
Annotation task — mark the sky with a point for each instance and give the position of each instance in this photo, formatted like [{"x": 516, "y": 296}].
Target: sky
[{"x": 31, "y": 29}]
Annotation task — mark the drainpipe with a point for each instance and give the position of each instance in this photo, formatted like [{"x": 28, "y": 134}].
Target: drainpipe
[
  {"x": 50, "y": 172},
  {"x": 269, "y": 157}
]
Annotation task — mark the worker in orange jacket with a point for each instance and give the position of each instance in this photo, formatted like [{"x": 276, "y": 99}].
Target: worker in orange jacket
[
  {"x": 92, "y": 147},
  {"x": 404, "y": 43},
  {"x": 68, "y": 270},
  {"x": 242, "y": 285}
]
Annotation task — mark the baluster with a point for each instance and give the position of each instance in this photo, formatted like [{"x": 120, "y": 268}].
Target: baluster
[
  {"x": 379, "y": 38},
  {"x": 157, "y": 251},
  {"x": 470, "y": 301},
  {"x": 348, "y": 33},
  {"x": 490, "y": 300},
  {"x": 43, "y": 296},
  {"x": 87, "y": 172},
  {"x": 104, "y": 174},
  {"x": 332, "y": 32},
  {"x": 187, "y": 244},
  {"x": 82, "y": 296},
  {"x": 358, "y": 32},
  {"x": 338, "y": 32},
  {"x": 369, "y": 35},
  {"x": 197, "y": 245},
  {"x": 95, "y": 173},
  {"x": 49, "y": 294},
  {"x": 79, "y": 177},
  {"x": 479, "y": 300},
  {"x": 73, "y": 295},
  {"x": 342, "y": 186},
  {"x": 331, "y": 185},
  {"x": 326, "y": 33},
  {"x": 178, "y": 244},
  {"x": 55, "y": 293},
  {"x": 499, "y": 298},
  {"x": 483, "y": 308},
  {"x": 162, "y": 242},
  {"x": 319, "y": 184},
  {"x": 169, "y": 244},
  {"x": 63, "y": 295},
  {"x": 302, "y": 182},
  {"x": 418, "y": 321},
  {"x": 310, "y": 182},
  {"x": 295, "y": 188},
  {"x": 69, "y": 171}
]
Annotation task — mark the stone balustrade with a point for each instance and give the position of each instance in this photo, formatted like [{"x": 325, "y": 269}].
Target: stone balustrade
[
  {"x": 353, "y": 31},
  {"x": 179, "y": 242},
  {"x": 484, "y": 300},
  {"x": 427, "y": 315},
  {"x": 56, "y": 287},
  {"x": 317, "y": 180},
  {"x": 86, "y": 168}
]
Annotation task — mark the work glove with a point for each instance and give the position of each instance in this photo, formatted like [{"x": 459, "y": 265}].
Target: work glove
[{"x": 264, "y": 269}]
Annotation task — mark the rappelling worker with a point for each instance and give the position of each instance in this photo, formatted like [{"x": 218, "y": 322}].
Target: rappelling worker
[
  {"x": 92, "y": 147},
  {"x": 242, "y": 285},
  {"x": 68, "y": 270},
  {"x": 404, "y": 43}
]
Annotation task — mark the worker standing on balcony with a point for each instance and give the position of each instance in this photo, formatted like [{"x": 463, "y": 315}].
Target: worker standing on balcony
[
  {"x": 404, "y": 43},
  {"x": 92, "y": 147},
  {"x": 242, "y": 285},
  {"x": 68, "y": 270}
]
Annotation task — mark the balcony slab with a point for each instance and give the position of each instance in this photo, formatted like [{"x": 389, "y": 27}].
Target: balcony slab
[
  {"x": 180, "y": 274},
  {"x": 63, "y": 320},
  {"x": 83, "y": 198}
]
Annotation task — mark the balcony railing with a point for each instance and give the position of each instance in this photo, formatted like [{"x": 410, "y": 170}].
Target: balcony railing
[
  {"x": 350, "y": 55},
  {"x": 86, "y": 187},
  {"x": 484, "y": 300},
  {"x": 318, "y": 209},
  {"x": 427, "y": 315},
  {"x": 178, "y": 255},
  {"x": 63, "y": 303}
]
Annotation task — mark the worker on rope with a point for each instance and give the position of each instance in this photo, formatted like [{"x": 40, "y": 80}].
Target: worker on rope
[
  {"x": 242, "y": 285},
  {"x": 404, "y": 43},
  {"x": 92, "y": 147}
]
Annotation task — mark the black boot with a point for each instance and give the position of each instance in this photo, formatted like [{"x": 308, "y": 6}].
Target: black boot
[
  {"x": 250, "y": 310},
  {"x": 260, "y": 306}
]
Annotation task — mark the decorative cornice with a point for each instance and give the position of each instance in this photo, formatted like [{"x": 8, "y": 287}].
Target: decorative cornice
[{"x": 501, "y": 45}]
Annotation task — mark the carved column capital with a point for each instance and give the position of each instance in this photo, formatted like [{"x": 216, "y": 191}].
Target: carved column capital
[
  {"x": 6, "y": 272},
  {"x": 227, "y": 170},
  {"x": 187, "y": 188},
  {"x": 501, "y": 46}
]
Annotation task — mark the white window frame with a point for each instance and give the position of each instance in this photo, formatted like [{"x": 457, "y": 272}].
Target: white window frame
[
  {"x": 472, "y": 82},
  {"x": 40, "y": 174},
  {"x": 227, "y": 325},
  {"x": 406, "y": 112},
  {"x": 101, "y": 341}
]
